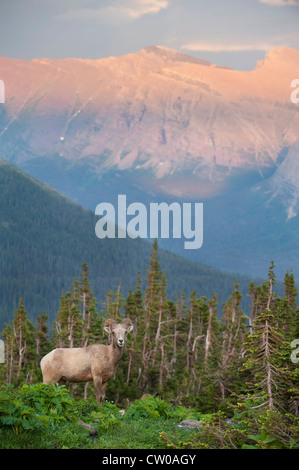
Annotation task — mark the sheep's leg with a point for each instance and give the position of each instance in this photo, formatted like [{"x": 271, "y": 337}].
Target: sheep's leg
[{"x": 100, "y": 388}]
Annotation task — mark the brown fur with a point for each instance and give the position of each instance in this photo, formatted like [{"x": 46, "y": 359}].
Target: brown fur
[{"x": 96, "y": 362}]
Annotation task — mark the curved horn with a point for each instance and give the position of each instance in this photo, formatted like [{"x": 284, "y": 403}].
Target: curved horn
[
  {"x": 108, "y": 324},
  {"x": 128, "y": 323}
]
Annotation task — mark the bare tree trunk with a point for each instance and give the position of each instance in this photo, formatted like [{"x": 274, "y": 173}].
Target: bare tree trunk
[
  {"x": 83, "y": 305},
  {"x": 267, "y": 351},
  {"x": 9, "y": 361},
  {"x": 85, "y": 390},
  {"x": 189, "y": 340},
  {"x": 157, "y": 337},
  {"x": 268, "y": 368},
  {"x": 161, "y": 365},
  {"x": 129, "y": 367},
  {"x": 21, "y": 350},
  {"x": 208, "y": 335},
  {"x": 71, "y": 336}
]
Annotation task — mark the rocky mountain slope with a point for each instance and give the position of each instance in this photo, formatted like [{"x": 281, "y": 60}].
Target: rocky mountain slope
[
  {"x": 284, "y": 184},
  {"x": 183, "y": 119}
]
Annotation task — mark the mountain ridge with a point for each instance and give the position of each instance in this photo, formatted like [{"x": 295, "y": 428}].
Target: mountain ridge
[{"x": 156, "y": 109}]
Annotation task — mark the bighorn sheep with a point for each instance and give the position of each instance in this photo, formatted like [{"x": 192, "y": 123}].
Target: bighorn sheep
[{"x": 97, "y": 362}]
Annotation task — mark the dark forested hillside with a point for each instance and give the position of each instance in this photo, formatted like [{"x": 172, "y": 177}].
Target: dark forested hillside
[{"x": 45, "y": 238}]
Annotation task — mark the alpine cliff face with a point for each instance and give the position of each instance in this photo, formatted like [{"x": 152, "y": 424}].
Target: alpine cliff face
[
  {"x": 284, "y": 184},
  {"x": 180, "y": 119}
]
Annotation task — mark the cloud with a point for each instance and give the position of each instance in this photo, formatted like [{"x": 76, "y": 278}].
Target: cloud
[
  {"x": 209, "y": 47},
  {"x": 279, "y": 40},
  {"x": 281, "y": 3},
  {"x": 140, "y": 8},
  {"x": 121, "y": 11}
]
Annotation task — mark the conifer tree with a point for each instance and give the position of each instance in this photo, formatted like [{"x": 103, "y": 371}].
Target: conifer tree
[
  {"x": 193, "y": 340},
  {"x": 60, "y": 330},
  {"x": 42, "y": 340},
  {"x": 210, "y": 380},
  {"x": 264, "y": 357},
  {"x": 134, "y": 310},
  {"x": 233, "y": 336},
  {"x": 290, "y": 324},
  {"x": 90, "y": 322},
  {"x": 8, "y": 338},
  {"x": 84, "y": 288},
  {"x": 152, "y": 300},
  {"x": 211, "y": 340},
  {"x": 24, "y": 334}
]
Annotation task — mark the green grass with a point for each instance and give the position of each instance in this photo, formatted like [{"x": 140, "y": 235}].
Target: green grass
[
  {"x": 136, "y": 434},
  {"x": 141, "y": 434}
]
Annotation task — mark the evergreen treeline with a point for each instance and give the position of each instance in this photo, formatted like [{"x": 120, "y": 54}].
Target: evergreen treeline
[{"x": 182, "y": 350}]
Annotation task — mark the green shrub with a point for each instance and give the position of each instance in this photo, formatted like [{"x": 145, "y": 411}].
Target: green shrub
[
  {"x": 51, "y": 400},
  {"x": 19, "y": 416},
  {"x": 35, "y": 406},
  {"x": 106, "y": 417},
  {"x": 180, "y": 413},
  {"x": 149, "y": 407}
]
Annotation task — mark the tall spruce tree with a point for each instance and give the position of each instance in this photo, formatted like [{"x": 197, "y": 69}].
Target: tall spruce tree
[
  {"x": 233, "y": 335},
  {"x": 264, "y": 357},
  {"x": 24, "y": 345},
  {"x": 152, "y": 305},
  {"x": 8, "y": 338}
]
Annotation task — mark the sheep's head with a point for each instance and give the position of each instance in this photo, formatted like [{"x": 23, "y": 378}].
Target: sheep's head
[{"x": 118, "y": 330}]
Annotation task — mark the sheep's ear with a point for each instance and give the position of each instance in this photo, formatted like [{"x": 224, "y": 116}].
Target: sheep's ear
[
  {"x": 107, "y": 329},
  {"x": 130, "y": 328}
]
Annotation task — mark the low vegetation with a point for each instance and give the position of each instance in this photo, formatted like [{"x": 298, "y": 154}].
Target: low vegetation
[{"x": 46, "y": 417}]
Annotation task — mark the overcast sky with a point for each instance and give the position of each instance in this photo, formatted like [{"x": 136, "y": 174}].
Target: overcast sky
[{"x": 235, "y": 33}]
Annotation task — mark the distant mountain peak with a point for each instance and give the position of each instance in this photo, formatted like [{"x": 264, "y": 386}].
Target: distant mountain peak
[{"x": 172, "y": 54}]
